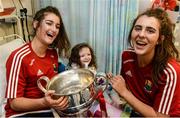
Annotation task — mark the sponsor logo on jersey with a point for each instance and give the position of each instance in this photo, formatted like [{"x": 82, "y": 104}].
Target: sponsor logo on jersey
[
  {"x": 32, "y": 62},
  {"x": 39, "y": 72},
  {"x": 129, "y": 73}
]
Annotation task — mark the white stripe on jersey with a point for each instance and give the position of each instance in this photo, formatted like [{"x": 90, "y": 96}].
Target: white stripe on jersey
[
  {"x": 14, "y": 72},
  {"x": 129, "y": 50},
  {"x": 169, "y": 90},
  {"x": 129, "y": 60}
]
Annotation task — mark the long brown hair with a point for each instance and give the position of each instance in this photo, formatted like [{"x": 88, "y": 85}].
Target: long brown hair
[
  {"x": 61, "y": 42},
  {"x": 165, "y": 48},
  {"x": 75, "y": 57}
]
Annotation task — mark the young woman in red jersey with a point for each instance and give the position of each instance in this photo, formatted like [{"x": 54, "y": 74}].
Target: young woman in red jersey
[
  {"x": 150, "y": 73},
  {"x": 33, "y": 60}
]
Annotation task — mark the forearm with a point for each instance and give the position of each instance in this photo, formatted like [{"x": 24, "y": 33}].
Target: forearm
[
  {"x": 139, "y": 106},
  {"x": 27, "y": 104}
]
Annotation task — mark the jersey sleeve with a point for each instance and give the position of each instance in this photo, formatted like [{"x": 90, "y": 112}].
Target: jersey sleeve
[
  {"x": 167, "y": 98},
  {"x": 15, "y": 77}
]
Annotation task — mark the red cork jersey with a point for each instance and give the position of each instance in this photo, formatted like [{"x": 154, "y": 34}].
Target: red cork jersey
[
  {"x": 24, "y": 68},
  {"x": 164, "y": 97}
]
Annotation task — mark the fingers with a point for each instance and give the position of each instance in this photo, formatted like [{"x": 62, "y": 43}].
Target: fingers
[
  {"x": 116, "y": 79},
  {"x": 109, "y": 75},
  {"x": 49, "y": 93},
  {"x": 61, "y": 103}
]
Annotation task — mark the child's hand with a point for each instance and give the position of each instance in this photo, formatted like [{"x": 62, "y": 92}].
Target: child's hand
[{"x": 109, "y": 75}]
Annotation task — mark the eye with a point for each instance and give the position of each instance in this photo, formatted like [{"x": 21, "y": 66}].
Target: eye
[
  {"x": 151, "y": 30},
  {"x": 81, "y": 55},
  {"x": 49, "y": 23},
  {"x": 137, "y": 28},
  {"x": 58, "y": 26}
]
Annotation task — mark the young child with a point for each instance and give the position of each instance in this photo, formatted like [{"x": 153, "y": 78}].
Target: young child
[{"x": 82, "y": 56}]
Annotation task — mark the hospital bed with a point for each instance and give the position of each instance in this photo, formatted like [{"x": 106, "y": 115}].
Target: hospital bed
[{"x": 7, "y": 45}]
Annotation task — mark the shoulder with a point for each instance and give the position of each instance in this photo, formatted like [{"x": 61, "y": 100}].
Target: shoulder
[
  {"x": 52, "y": 51},
  {"x": 128, "y": 55},
  {"x": 172, "y": 70},
  {"x": 18, "y": 55},
  {"x": 21, "y": 52},
  {"x": 173, "y": 66},
  {"x": 128, "y": 52}
]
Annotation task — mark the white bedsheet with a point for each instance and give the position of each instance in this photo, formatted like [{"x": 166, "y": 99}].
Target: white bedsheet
[{"x": 5, "y": 50}]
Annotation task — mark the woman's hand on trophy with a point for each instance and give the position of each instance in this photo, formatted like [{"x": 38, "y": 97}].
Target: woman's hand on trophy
[
  {"x": 118, "y": 83},
  {"x": 61, "y": 103}
]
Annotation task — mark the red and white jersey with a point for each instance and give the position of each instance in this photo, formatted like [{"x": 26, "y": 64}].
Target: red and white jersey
[
  {"x": 164, "y": 97},
  {"x": 24, "y": 68}
]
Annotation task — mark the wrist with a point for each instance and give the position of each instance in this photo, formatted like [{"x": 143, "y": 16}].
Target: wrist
[
  {"x": 124, "y": 93},
  {"x": 44, "y": 102}
]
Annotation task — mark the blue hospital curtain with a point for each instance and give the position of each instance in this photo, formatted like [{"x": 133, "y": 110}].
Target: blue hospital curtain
[{"x": 104, "y": 24}]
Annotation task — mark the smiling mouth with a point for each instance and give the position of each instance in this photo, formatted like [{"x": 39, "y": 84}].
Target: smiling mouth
[
  {"x": 140, "y": 43},
  {"x": 49, "y": 34}
]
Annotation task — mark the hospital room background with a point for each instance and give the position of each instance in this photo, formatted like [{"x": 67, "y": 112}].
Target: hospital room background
[{"x": 104, "y": 24}]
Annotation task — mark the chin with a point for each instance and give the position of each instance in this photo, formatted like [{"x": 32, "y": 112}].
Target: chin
[
  {"x": 49, "y": 42},
  {"x": 139, "y": 52}
]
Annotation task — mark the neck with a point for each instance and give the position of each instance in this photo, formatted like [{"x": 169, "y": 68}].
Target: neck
[
  {"x": 38, "y": 47},
  {"x": 144, "y": 60}
]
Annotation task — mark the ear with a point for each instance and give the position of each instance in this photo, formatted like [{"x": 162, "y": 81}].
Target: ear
[
  {"x": 131, "y": 43},
  {"x": 161, "y": 39},
  {"x": 35, "y": 24}
]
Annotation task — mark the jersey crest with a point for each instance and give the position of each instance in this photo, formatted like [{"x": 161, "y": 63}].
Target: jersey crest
[{"x": 148, "y": 86}]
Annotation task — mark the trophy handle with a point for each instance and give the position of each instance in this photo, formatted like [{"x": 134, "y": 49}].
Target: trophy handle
[
  {"x": 46, "y": 79},
  {"x": 101, "y": 81}
]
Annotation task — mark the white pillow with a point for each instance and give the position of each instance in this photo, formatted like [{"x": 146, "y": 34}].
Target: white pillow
[{"x": 5, "y": 51}]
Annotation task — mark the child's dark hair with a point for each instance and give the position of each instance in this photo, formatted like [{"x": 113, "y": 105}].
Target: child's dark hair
[
  {"x": 61, "y": 42},
  {"x": 75, "y": 57}
]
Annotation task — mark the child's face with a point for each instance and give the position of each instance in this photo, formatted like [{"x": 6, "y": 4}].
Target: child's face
[{"x": 85, "y": 56}]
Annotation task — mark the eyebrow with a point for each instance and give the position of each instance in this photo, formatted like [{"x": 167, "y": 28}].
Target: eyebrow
[
  {"x": 151, "y": 28},
  {"x": 148, "y": 27}
]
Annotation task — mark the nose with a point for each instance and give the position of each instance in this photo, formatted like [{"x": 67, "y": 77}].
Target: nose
[
  {"x": 142, "y": 33},
  {"x": 54, "y": 28},
  {"x": 86, "y": 57}
]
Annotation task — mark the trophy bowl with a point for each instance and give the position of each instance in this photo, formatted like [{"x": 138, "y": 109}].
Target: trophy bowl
[{"x": 77, "y": 84}]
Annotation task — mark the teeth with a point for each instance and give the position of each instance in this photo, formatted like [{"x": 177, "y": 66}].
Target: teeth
[
  {"x": 49, "y": 34},
  {"x": 140, "y": 42}
]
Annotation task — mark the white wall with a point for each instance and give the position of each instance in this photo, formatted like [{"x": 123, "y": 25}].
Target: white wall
[
  {"x": 7, "y": 28},
  {"x": 144, "y": 4},
  {"x": 25, "y": 3}
]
